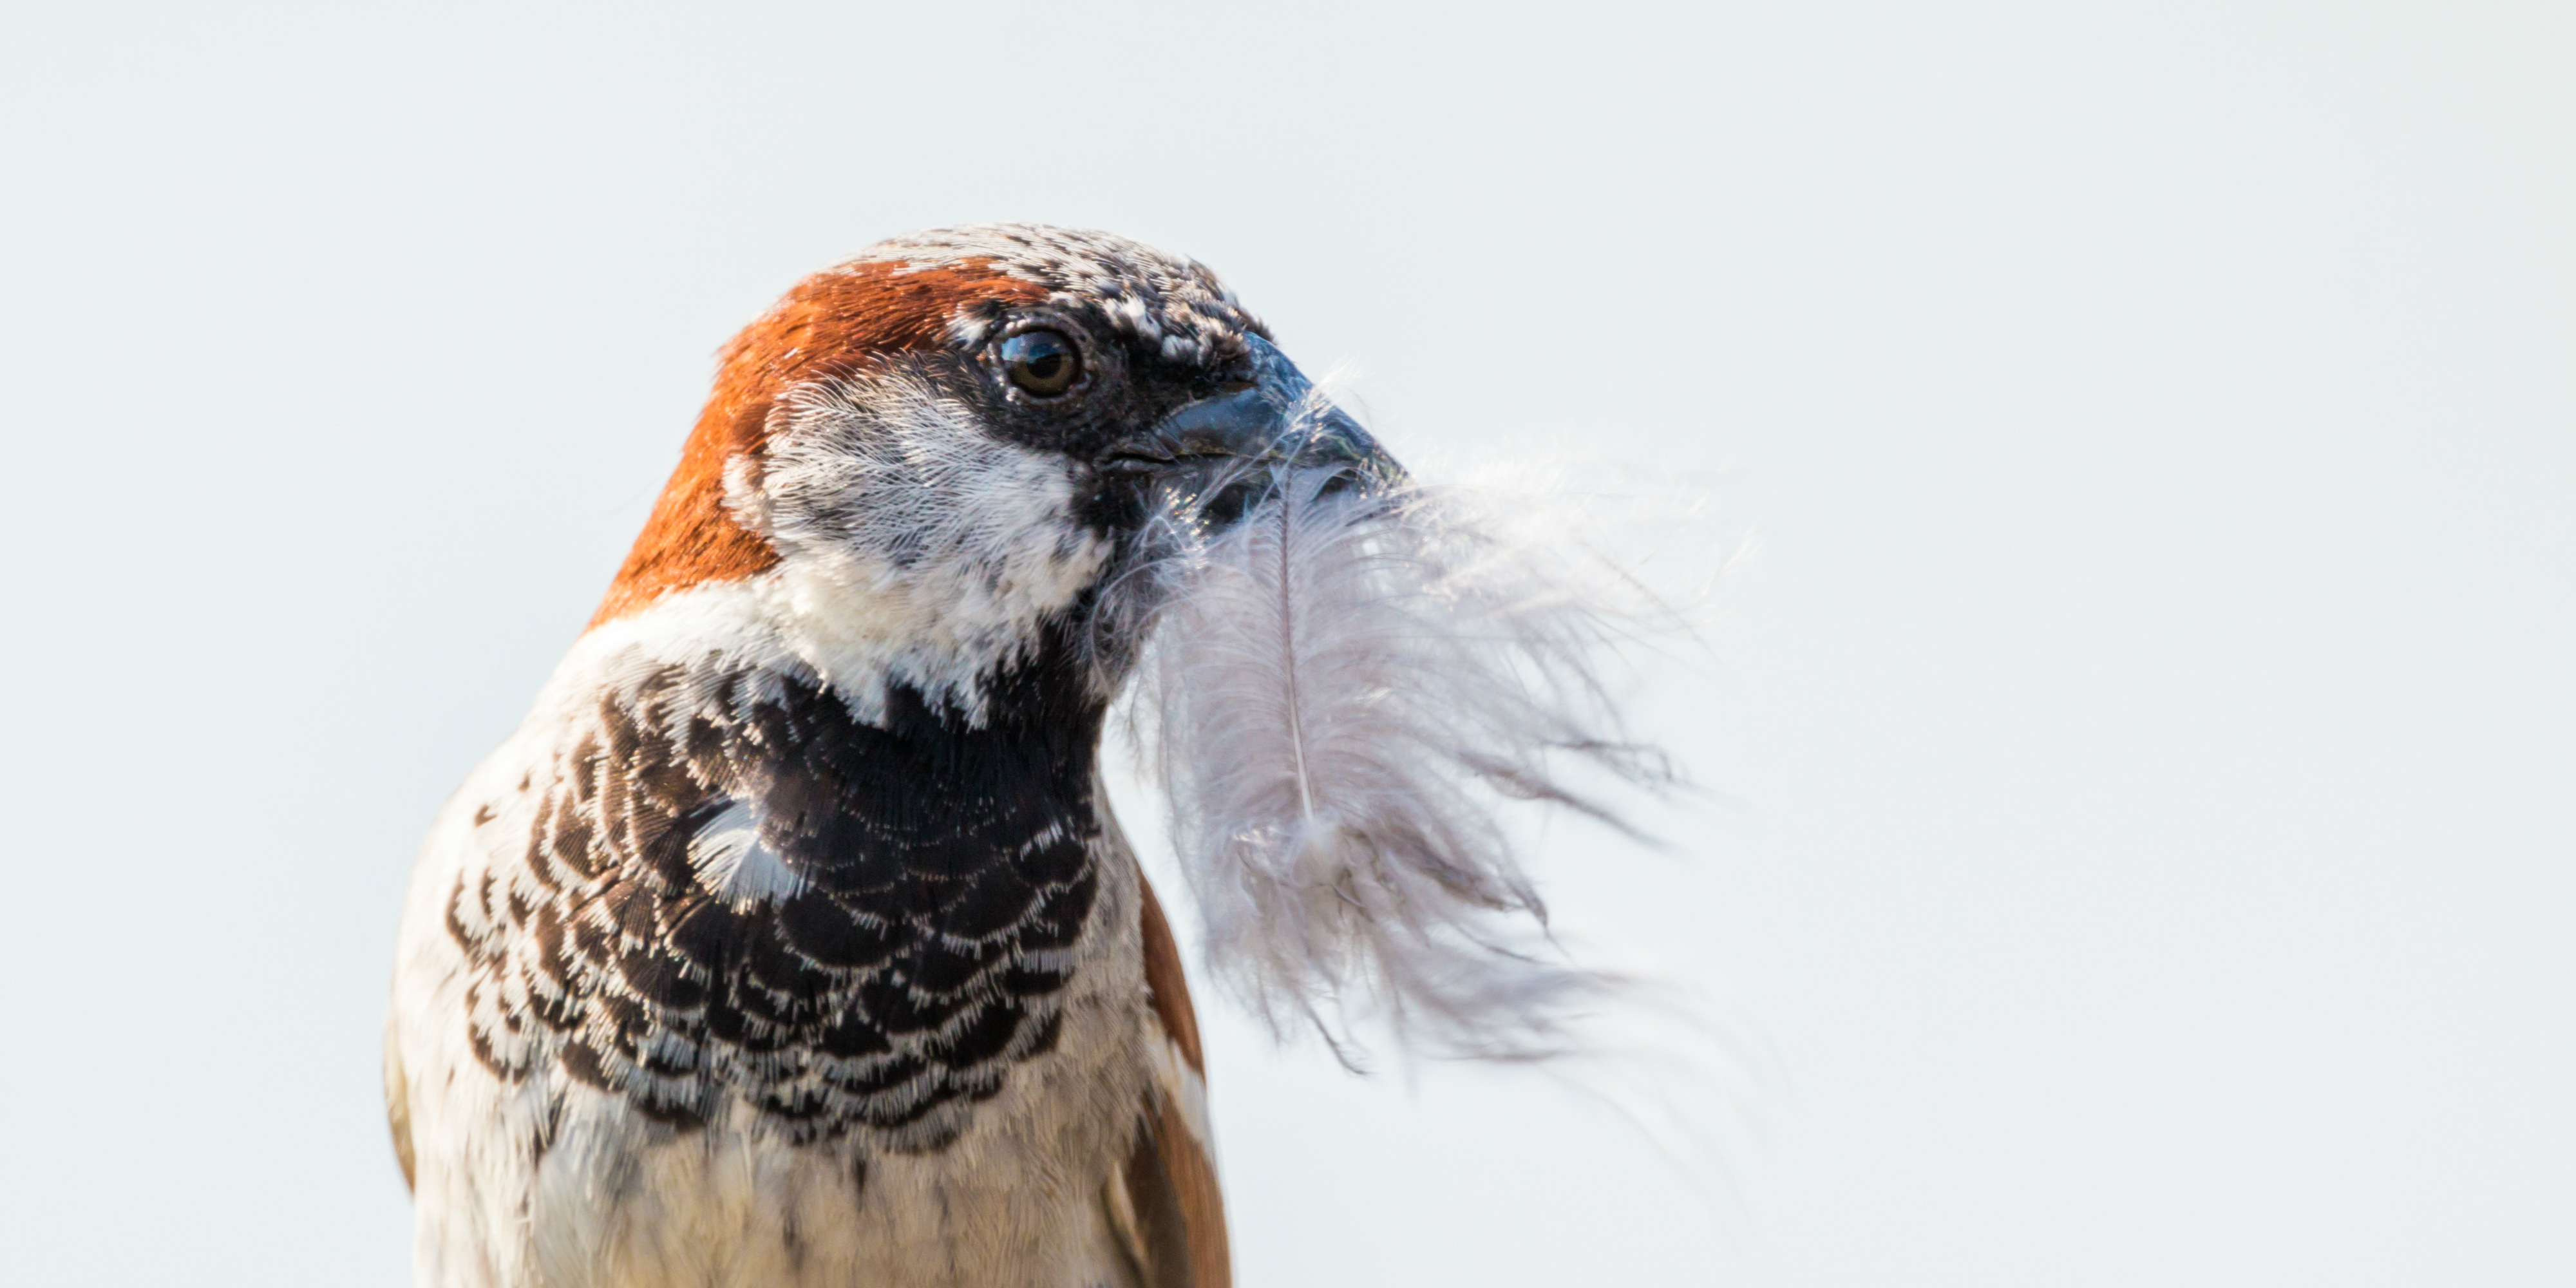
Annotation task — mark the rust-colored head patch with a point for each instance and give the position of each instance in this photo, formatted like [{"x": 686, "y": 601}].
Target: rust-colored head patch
[{"x": 833, "y": 322}]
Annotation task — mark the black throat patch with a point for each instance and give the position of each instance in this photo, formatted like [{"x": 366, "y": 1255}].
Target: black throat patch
[{"x": 733, "y": 888}]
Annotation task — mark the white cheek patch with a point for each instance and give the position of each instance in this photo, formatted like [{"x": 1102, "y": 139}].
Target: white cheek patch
[
  {"x": 915, "y": 547},
  {"x": 731, "y": 862}
]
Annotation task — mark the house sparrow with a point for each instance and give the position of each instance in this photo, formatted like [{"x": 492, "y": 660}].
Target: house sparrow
[{"x": 790, "y": 941}]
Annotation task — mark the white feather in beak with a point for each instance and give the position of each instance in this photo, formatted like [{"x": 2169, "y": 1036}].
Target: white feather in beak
[{"x": 1340, "y": 691}]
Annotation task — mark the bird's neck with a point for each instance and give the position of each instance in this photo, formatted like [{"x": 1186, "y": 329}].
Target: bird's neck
[{"x": 886, "y": 651}]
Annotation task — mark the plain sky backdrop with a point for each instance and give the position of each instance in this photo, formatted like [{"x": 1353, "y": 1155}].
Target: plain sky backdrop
[{"x": 2146, "y": 732}]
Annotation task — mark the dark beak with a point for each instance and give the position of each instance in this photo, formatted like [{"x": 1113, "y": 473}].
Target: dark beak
[{"x": 1222, "y": 452}]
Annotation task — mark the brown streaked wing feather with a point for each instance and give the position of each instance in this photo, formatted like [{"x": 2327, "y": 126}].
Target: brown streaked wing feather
[
  {"x": 1168, "y": 987},
  {"x": 1171, "y": 1186},
  {"x": 1172, "y": 1198}
]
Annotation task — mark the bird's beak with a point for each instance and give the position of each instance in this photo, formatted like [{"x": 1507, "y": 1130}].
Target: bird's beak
[{"x": 1218, "y": 446}]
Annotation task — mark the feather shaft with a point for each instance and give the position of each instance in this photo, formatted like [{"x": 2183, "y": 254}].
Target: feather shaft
[{"x": 1339, "y": 694}]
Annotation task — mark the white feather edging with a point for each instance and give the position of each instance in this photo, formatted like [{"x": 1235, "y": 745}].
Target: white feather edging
[{"x": 1339, "y": 692}]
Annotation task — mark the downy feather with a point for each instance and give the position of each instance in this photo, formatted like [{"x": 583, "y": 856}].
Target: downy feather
[{"x": 1339, "y": 693}]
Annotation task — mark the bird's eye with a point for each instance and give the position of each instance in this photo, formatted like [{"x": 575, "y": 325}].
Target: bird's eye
[{"x": 1042, "y": 363}]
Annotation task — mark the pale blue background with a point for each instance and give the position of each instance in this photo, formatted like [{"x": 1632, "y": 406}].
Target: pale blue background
[{"x": 2150, "y": 711}]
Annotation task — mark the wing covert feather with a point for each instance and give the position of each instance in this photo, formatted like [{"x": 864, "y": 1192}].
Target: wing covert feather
[{"x": 1171, "y": 1195}]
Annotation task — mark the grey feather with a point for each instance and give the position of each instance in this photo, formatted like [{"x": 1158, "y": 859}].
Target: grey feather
[{"x": 1340, "y": 694}]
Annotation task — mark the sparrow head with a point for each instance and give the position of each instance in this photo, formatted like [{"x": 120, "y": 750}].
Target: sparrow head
[{"x": 920, "y": 461}]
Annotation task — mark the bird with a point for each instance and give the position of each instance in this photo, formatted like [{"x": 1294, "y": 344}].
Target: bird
[{"x": 790, "y": 940}]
